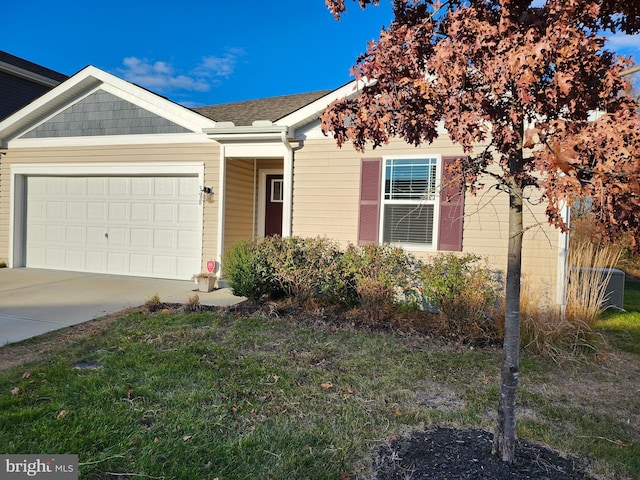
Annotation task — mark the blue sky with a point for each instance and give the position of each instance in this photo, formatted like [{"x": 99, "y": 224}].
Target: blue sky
[{"x": 203, "y": 53}]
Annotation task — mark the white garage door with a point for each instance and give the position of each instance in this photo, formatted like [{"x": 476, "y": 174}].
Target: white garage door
[{"x": 143, "y": 226}]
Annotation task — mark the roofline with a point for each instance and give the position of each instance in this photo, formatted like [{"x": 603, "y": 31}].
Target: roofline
[
  {"x": 313, "y": 110},
  {"x": 28, "y": 75}
]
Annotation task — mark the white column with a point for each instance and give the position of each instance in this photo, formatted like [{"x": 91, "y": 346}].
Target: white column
[{"x": 287, "y": 204}]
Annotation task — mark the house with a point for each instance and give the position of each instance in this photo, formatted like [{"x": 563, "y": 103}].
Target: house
[
  {"x": 101, "y": 175},
  {"x": 22, "y": 81}
]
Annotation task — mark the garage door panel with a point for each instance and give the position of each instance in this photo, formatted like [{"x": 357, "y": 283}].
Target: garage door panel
[
  {"x": 141, "y": 212},
  {"x": 118, "y": 187},
  {"x": 183, "y": 269},
  {"x": 186, "y": 187},
  {"x": 96, "y": 185},
  {"x": 37, "y": 210},
  {"x": 141, "y": 187},
  {"x": 141, "y": 238},
  {"x": 96, "y": 261},
  {"x": 117, "y": 262},
  {"x": 95, "y": 236},
  {"x": 54, "y": 257},
  {"x": 38, "y": 184},
  {"x": 164, "y": 213},
  {"x": 55, "y": 235},
  {"x": 75, "y": 259},
  {"x": 164, "y": 239},
  {"x": 55, "y": 210},
  {"x": 187, "y": 241},
  {"x": 56, "y": 186},
  {"x": 144, "y": 226},
  {"x": 165, "y": 187},
  {"x": 76, "y": 187},
  {"x": 36, "y": 234},
  {"x": 118, "y": 237},
  {"x": 35, "y": 255},
  {"x": 163, "y": 265},
  {"x": 187, "y": 214},
  {"x": 76, "y": 211},
  {"x": 96, "y": 211},
  {"x": 118, "y": 212},
  {"x": 76, "y": 235},
  {"x": 140, "y": 264}
]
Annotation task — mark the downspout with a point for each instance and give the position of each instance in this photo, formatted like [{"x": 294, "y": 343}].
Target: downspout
[
  {"x": 287, "y": 193},
  {"x": 563, "y": 263},
  {"x": 221, "y": 204}
]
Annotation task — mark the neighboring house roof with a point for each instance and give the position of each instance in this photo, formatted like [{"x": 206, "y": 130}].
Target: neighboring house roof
[
  {"x": 272, "y": 109},
  {"x": 22, "y": 81}
]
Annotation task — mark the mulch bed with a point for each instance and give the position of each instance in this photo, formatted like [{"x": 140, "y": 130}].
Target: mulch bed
[{"x": 450, "y": 454}]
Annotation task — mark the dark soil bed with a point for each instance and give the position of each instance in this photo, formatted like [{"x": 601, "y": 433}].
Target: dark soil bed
[{"x": 449, "y": 454}]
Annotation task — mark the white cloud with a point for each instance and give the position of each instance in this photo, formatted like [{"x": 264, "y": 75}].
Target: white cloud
[
  {"x": 625, "y": 44},
  {"x": 222, "y": 66},
  {"x": 164, "y": 77}
]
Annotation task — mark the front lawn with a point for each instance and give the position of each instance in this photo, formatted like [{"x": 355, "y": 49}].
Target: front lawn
[
  {"x": 623, "y": 328},
  {"x": 229, "y": 395}
]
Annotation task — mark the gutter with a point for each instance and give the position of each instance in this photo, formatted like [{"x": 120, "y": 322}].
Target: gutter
[
  {"x": 257, "y": 132},
  {"x": 29, "y": 75}
]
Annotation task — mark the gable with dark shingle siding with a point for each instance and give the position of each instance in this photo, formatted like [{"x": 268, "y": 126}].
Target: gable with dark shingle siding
[{"x": 103, "y": 113}]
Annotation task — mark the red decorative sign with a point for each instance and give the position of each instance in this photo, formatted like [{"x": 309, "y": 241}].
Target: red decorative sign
[{"x": 211, "y": 266}]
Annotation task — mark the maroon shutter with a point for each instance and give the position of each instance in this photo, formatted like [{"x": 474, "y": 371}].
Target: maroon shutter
[
  {"x": 451, "y": 210},
  {"x": 369, "y": 219}
]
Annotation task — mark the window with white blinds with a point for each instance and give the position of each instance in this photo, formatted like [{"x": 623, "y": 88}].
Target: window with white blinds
[{"x": 409, "y": 201}]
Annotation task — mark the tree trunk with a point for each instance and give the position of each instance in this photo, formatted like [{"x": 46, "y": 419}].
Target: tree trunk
[{"x": 505, "y": 434}]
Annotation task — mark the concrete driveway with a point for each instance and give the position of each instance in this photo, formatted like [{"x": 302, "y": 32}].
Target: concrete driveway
[{"x": 34, "y": 301}]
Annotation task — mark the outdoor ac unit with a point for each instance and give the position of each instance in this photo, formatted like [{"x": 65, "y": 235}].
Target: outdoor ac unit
[{"x": 614, "y": 293}]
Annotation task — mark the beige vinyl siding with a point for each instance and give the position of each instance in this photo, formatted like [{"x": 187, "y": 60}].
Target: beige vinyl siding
[
  {"x": 210, "y": 210},
  {"x": 241, "y": 205},
  {"x": 206, "y": 153},
  {"x": 326, "y": 185},
  {"x": 326, "y": 203},
  {"x": 486, "y": 233},
  {"x": 269, "y": 164},
  {"x": 239, "y": 198}
]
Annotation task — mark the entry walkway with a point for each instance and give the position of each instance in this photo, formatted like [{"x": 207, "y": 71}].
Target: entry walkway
[{"x": 34, "y": 301}]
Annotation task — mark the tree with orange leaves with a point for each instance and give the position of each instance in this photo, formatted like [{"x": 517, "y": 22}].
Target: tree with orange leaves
[{"x": 534, "y": 83}]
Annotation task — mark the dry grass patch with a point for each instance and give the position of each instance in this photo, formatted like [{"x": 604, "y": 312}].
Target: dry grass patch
[{"x": 550, "y": 330}]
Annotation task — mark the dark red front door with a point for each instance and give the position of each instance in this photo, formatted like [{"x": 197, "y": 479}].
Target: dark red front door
[{"x": 273, "y": 206}]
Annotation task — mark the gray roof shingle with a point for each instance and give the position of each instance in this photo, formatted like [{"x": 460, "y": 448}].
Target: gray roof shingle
[{"x": 272, "y": 109}]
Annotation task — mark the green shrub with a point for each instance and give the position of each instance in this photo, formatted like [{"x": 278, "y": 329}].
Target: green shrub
[
  {"x": 301, "y": 267},
  {"x": 380, "y": 275},
  {"x": 248, "y": 271},
  {"x": 464, "y": 292}
]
